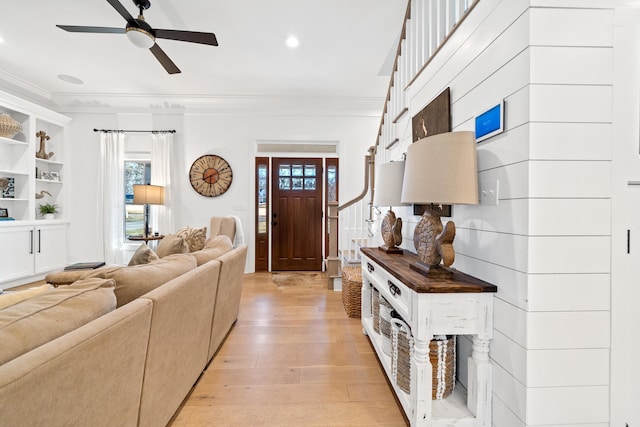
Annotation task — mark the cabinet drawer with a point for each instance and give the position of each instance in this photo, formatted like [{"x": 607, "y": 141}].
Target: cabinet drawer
[{"x": 398, "y": 295}]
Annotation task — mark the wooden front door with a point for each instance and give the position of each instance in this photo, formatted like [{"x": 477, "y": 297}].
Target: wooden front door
[{"x": 296, "y": 214}]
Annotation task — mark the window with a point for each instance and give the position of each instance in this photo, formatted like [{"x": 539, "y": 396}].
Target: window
[
  {"x": 135, "y": 172},
  {"x": 262, "y": 212},
  {"x": 297, "y": 177},
  {"x": 332, "y": 180}
]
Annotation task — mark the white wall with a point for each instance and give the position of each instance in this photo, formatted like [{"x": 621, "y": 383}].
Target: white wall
[
  {"x": 547, "y": 245},
  {"x": 625, "y": 371},
  {"x": 232, "y": 135}
]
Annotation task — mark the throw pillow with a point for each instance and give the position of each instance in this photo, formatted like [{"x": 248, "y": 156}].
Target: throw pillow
[
  {"x": 172, "y": 244},
  {"x": 143, "y": 255},
  {"x": 214, "y": 248},
  {"x": 195, "y": 237},
  {"x": 14, "y": 297},
  {"x": 218, "y": 241},
  {"x": 47, "y": 316}
]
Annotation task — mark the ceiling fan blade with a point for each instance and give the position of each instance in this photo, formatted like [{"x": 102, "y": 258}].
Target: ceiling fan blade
[
  {"x": 187, "y": 36},
  {"x": 83, "y": 29},
  {"x": 166, "y": 62},
  {"x": 121, "y": 10}
]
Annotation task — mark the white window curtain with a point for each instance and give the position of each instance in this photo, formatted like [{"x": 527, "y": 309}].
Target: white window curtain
[
  {"x": 111, "y": 196},
  {"x": 161, "y": 218}
]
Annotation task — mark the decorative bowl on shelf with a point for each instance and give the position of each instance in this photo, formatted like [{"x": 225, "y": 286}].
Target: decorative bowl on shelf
[{"x": 8, "y": 126}]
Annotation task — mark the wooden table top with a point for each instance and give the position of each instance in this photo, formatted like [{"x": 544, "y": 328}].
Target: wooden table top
[
  {"x": 398, "y": 266},
  {"x": 145, "y": 238}
]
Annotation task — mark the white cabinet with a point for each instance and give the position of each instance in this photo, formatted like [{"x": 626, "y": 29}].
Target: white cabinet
[
  {"x": 32, "y": 250},
  {"x": 30, "y": 245},
  {"x": 17, "y": 252},
  {"x": 50, "y": 247},
  {"x": 461, "y": 305}
]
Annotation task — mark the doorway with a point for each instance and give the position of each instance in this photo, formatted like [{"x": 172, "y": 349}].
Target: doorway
[
  {"x": 291, "y": 197},
  {"x": 296, "y": 214}
]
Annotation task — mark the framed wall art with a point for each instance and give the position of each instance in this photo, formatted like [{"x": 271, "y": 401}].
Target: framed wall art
[
  {"x": 433, "y": 119},
  {"x": 7, "y": 188}
]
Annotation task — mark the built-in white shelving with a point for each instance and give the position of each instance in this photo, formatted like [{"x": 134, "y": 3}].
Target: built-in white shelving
[{"x": 37, "y": 245}]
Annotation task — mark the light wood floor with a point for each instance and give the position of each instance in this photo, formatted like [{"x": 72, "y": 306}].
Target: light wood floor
[{"x": 293, "y": 359}]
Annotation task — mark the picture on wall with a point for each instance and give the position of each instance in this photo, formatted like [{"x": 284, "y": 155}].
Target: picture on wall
[
  {"x": 442, "y": 210},
  {"x": 433, "y": 119},
  {"x": 4, "y": 213},
  {"x": 7, "y": 188}
]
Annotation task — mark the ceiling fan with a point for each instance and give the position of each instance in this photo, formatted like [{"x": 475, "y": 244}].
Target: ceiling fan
[{"x": 142, "y": 35}]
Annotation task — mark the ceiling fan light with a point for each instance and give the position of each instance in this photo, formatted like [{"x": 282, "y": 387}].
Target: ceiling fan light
[{"x": 140, "y": 38}]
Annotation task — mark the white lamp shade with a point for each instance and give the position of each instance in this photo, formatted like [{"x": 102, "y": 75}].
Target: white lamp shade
[
  {"x": 148, "y": 195},
  {"x": 442, "y": 169},
  {"x": 388, "y": 187}
]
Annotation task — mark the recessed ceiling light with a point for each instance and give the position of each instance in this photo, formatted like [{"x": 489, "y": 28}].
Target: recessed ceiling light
[
  {"x": 293, "y": 42},
  {"x": 70, "y": 79}
]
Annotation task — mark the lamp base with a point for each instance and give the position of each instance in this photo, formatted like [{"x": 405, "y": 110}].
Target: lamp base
[
  {"x": 391, "y": 249},
  {"x": 391, "y": 231},
  {"x": 437, "y": 272},
  {"x": 146, "y": 220}
]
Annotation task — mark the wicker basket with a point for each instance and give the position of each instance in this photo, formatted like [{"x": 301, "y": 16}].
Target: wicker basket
[
  {"x": 401, "y": 347},
  {"x": 352, "y": 290},
  {"x": 385, "y": 325},
  {"x": 8, "y": 126},
  {"x": 375, "y": 308},
  {"x": 443, "y": 360},
  {"x": 442, "y": 354}
]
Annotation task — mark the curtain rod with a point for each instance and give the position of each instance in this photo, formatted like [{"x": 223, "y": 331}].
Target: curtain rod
[{"x": 134, "y": 131}]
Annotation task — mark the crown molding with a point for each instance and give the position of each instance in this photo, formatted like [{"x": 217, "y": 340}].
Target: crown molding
[
  {"x": 214, "y": 104},
  {"x": 23, "y": 89},
  {"x": 278, "y": 104},
  {"x": 209, "y": 104}
]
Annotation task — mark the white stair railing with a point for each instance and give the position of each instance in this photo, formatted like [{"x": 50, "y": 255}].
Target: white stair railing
[
  {"x": 355, "y": 226},
  {"x": 426, "y": 28}
]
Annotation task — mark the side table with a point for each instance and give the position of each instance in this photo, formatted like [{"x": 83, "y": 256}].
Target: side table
[{"x": 146, "y": 239}]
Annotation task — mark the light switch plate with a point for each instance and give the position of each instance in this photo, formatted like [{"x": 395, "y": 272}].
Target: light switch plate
[{"x": 489, "y": 192}]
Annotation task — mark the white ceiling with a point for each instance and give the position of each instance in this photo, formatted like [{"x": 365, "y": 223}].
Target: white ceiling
[{"x": 346, "y": 48}]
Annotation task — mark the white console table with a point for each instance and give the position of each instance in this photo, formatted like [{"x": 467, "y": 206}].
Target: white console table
[{"x": 461, "y": 305}]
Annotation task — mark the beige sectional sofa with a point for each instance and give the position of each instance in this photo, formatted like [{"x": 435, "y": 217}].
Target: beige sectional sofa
[{"x": 133, "y": 365}]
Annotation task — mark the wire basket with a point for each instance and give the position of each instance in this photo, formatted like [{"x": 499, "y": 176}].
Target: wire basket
[
  {"x": 375, "y": 307},
  {"x": 385, "y": 325}
]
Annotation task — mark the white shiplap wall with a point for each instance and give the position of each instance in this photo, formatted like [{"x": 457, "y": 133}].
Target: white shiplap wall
[{"x": 547, "y": 244}]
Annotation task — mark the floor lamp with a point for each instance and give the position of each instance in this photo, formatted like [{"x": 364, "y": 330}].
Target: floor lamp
[{"x": 146, "y": 194}]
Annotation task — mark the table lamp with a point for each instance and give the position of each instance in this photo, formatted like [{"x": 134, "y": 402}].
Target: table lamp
[
  {"x": 388, "y": 189},
  {"x": 146, "y": 194},
  {"x": 440, "y": 169}
]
